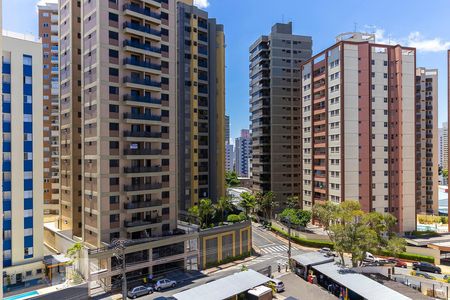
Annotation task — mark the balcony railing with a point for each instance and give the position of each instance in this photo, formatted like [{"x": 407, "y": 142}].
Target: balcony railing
[
  {"x": 142, "y": 99},
  {"x": 136, "y": 116},
  {"x": 141, "y": 28},
  {"x": 143, "y": 222},
  {"x": 140, "y": 63},
  {"x": 142, "y": 204},
  {"x": 142, "y": 152},
  {"x": 142, "y": 169},
  {"x": 144, "y": 134},
  {"x": 142, "y": 187},
  {"x": 141, "y": 46},
  {"x": 142, "y": 81},
  {"x": 142, "y": 11}
]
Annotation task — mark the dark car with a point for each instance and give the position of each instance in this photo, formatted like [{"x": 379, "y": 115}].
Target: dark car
[{"x": 427, "y": 267}]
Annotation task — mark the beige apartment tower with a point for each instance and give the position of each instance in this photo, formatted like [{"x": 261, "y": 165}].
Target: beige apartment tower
[
  {"x": 70, "y": 116},
  {"x": 275, "y": 107},
  {"x": 48, "y": 32},
  {"x": 358, "y": 122},
  {"x": 427, "y": 181}
]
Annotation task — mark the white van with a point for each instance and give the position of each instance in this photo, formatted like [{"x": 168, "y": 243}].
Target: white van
[{"x": 279, "y": 285}]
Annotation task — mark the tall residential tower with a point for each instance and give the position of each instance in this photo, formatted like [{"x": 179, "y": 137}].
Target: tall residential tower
[
  {"x": 358, "y": 123},
  {"x": 201, "y": 106},
  {"x": 242, "y": 154},
  {"x": 275, "y": 107},
  {"x": 48, "y": 32}
]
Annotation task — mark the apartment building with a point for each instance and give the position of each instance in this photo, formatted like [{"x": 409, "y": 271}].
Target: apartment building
[
  {"x": 201, "y": 106},
  {"x": 275, "y": 107},
  {"x": 227, "y": 129},
  {"x": 229, "y": 157},
  {"x": 70, "y": 175},
  {"x": 22, "y": 165},
  {"x": 358, "y": 125},
  {"x": 443, "y": 145},
  {"x": 48, "y": 32},
  {"x": 427, "y": 179},
  {"x": 119, "y": 112},
  {"x": 1, "y": 129},
  {"x": 242, "y": 154}
]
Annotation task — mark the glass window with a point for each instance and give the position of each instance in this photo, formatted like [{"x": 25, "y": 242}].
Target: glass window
[
  {"x": 27, "y": 60},
  {"x": 28, "y": 231},
  {"x": 28, "y": 251},
  {"x": 28, "y": 80},
  {"x": 27, "y": 99},
  {"x": 27, "y": 118},
  {"x": 27, "y": 213},
  {"x": 7, "y": 254},
  {"x": 28, "y": 175},
  {"x": 6, "y": 234},
  {"x": 28, "y": 194}
]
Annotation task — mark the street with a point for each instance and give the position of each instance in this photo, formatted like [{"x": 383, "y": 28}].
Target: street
[{"x": 273, "y": 251}]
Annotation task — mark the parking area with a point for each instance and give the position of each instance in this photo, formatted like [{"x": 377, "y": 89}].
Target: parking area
[{"x": 301, "y": 289}]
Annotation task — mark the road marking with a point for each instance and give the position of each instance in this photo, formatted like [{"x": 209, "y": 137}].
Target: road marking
[{"x": 271, "y": 242}]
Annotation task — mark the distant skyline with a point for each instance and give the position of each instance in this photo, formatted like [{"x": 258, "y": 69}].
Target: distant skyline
[{"x": 409, "y": 23}]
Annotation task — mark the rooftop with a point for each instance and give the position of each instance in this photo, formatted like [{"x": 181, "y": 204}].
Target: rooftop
[{"x": 226, "y": 287}]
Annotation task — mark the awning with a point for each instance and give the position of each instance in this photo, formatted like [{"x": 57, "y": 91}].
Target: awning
[
  {"x": 226, "y": 287},
  {"x": 55, "y": 260},
  {"x": 358, "y": 283},
  {"x": 312, "y": 259}
]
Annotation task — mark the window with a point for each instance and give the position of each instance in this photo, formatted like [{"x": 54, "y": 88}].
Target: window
[
  {"x": 28, "y": 251},
  {"x": 113, "y": 72},
  {"x": 27, "y": 60},
  {"x": 113, "y": 17},
  {"x": 113, "y": 35},
  {"x": 114, "y": 218},
  {"x": 113, "y": 53},
  {"x": 114, "y": 181},
  {"x": 113, "y": 126}
]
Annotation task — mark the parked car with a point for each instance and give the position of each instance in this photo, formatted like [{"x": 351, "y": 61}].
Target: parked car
[
  {"x": 425, "y": 275},
  {"x": 427, "y": 267},
  {"x": 164, "y": 284},
  {"x": 139, "y": 291},
  {"x": 327, "y": 252},
  {"x": 279, "y": 285},
  {"x": 371, "y": 258},
  {"x": 397, "y": 262}
]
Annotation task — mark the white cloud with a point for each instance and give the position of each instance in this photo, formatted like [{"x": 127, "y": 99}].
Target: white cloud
[
  {"x": 201, "y": 3},
  {"x": 414, "y": 39}
]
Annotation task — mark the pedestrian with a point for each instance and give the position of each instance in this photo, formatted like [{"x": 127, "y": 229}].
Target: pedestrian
[
  {"x": 286, "y": 267},
  {"x": 279, "y": 268}
]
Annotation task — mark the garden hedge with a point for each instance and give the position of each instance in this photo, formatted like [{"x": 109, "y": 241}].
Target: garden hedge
[{"x": 305, "y": 242}]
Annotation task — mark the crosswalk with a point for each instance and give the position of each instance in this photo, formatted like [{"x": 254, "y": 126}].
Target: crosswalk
[{"x": 274, "y": 249}]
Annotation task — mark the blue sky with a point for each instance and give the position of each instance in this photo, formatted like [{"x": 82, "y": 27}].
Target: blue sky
[{"x": 423, "y": 24}]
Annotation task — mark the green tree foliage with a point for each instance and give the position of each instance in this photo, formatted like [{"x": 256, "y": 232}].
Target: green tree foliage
[
  {"x": 293, "y": 202},
  {"x": 231, "y": 179},
  {"x": 296, "y": 216},
  {"x": 396, "y": 246},
  {"x": 445, "y": 173},
  {"x": 224, "y": 204},
  {"x": 247, "y": 202},
  {"x": 265, "y": 203},
  {"x": 202, "y": 213},
  {"x": 356, "y": 232}
]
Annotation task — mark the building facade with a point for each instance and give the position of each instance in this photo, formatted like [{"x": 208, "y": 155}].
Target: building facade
[
  {"x": 443, "y": 146},
  {"x": 48, "y": 32},
  {"x": 227, "y": 129},
  {"x": 427, "y": 179},
  {"x": 275, "y": 107},
  {"x": 70, "y": 111},
  {"x": 229, "y": 157},
  {"x": 201, "y": 106},
  {"x": 22, "y": 165},
  {"x": 358, "y": 123},
  {"x": 242, "y": 154}
]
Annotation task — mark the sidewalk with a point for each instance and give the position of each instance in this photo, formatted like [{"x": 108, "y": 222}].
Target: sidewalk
[{"x": 228, "y": 265}]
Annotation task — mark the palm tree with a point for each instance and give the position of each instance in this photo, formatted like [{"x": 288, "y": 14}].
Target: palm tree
[
  {"x": 206, "y": 211},
  {"x": 223, "y": 205},
  {"x": 247, "y": 202}
]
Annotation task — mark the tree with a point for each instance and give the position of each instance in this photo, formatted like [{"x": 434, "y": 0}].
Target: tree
[
  {"x": 354, "y": 231},
  {"x": 396, "y": 245},
  {"x": 194, "y": 215},
  {"x": 224, "y": 204},
  {"x": 292, "y": 202},
  {"x": 295, "y": 216},
  {"x": 445, "y": 173},
  {"x": 73, "y": 253},
  {"x": 205, "y": 211},
  {"x": 231, "y": 179},
  {"x": 247, "y": 202},
  {"x": 267, "y": 203}
]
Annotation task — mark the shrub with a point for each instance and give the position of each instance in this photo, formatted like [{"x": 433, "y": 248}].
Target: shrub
[
  {"x": 430, "y": 219},
  {"x": 242, "y": 216},
  {"x": 306, "y": 242},
  {"x": 409, "y": 256},
  {"x": 427, "y": 233},
  {"x": 233, "y": 218}
]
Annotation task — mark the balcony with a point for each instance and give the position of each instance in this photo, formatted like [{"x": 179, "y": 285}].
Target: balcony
[
  {"x": 144, "y": 29},
  {"x": 141, "y": 99},
  {"x": 142, "y": 134},
  {"x": 141, "y": 81},
  {"x": 140, "y": 63},
  {"x": 142, "y": 152},
  {"x": 142, "y": 11},
  {"x": 143, "y": 222},
  {"x": 142, "y": 204},
  {"x": 148, "y": 169},
  {"x": 148, "y": 117},
  {"x": 146, "y": 47},
  {"x": 142, "y": 187}
]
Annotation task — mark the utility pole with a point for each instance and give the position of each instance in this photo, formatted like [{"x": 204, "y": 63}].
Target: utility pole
[
  {"x": 289, "y": 241},
  {"x": 119, "y": 253}
]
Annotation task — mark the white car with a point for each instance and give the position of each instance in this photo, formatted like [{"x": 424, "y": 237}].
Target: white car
[
  {"x": 164, "y": 284},
  {"x": 279, "y": 285},
  {"x": 139, "y": 291}
]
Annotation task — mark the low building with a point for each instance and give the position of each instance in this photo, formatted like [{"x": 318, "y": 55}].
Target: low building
[
  {"x": 224, "y": 243},
  {"x": 229, "y": 287}
]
